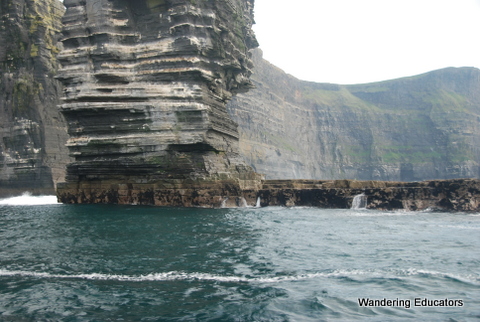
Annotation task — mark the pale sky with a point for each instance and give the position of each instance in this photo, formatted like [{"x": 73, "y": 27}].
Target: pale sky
[{"x": 360, "y": 41}]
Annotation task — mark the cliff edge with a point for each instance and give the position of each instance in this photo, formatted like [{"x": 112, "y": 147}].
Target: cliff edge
[{"x": 411, "y": 129}]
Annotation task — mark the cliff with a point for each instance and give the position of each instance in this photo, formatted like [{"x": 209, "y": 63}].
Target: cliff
[
  {"x": 146, "y": 83},
  {"x": 416, "y": 128},
  {"x": 149, "y": 95},
  {"x": 438, "y": 195},
  {"x": 32, "y": 131}
]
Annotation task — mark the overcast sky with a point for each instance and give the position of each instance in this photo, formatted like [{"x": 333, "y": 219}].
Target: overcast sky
[{"x": 360, "y": 41}]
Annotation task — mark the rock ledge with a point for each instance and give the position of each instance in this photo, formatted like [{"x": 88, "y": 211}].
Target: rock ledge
[{"x": 446, "y": 195}]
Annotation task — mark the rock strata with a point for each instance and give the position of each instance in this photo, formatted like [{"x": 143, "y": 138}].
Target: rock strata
[
  {"x": 32, "y": 131},
  {"x": 448, "y": 195},
  {"x": 440, "y": 195},
  {"x": 416, "y": 128},
  {"x": 146, "y": 83}
]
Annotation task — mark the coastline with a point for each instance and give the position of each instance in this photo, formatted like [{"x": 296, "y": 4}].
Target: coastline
[{"x": 444, "y": 195}]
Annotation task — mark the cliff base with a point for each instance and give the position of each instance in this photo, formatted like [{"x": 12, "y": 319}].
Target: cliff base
[
  {"x": 447, "y": 195},
  {"x": 172, "y": 193}
]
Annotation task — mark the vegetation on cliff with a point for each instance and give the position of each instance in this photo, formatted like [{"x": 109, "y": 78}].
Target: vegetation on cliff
[
  {"x": 32, "y": 132},
  {"x": 415, "y": 128}
]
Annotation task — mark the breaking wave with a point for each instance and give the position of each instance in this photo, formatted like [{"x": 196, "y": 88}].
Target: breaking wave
[{"x": 26, "y": 199}]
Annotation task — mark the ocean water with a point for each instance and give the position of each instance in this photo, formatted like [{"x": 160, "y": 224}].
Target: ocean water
[{"x": 132, "y": 263}]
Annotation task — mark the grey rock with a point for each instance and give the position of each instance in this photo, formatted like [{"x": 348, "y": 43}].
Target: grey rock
[
  {"x": 32, "y": 131},
  {"x": 416, "y": 128},
  {"x": 145, "y": 88}
]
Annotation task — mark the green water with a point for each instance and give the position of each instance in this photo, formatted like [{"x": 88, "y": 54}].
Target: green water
[{"x": 129, "y": 263}]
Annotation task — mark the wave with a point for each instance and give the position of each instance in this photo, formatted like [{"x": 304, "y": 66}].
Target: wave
[
  {"x": 26, "y": 199},
  {"x": 461, "y": 227},
  {"x": 167, "y": 276},
  {"x": 379, "y": 213},
  {"x": 196, "y": 276},
  {"x": 468, "y": 279},
  {"x": 405, "y": 273}
]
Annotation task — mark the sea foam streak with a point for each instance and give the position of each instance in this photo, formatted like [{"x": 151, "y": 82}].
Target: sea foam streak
[
  {"x": 196, "y": 276},
  {"x": 27, "y": 199},
  {"x": 167, "y": 276}
]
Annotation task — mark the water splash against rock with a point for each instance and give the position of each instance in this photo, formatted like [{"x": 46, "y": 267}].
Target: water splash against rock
[
  {"x": 360, "y": 201},
  {"x": 26, "y": 199},
  {"x": 259, "y": 203}
]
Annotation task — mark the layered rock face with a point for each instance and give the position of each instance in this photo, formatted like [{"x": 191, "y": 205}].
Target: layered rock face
[
  {"x": 32, "y": 131},
  {"x": 411, "y": 129},
  {"x": 440, "y": 195},
  {"x": 146, "y": 83}
]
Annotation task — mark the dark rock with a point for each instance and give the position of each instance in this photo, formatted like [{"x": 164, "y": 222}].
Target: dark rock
[
  {"x": 32, "y": 131},
  {"x": 440, "y": 195},
  {"x": 449, "y": 195}
]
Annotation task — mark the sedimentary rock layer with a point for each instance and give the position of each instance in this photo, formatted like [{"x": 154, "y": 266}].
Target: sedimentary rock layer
[
  {"x": 449, "y": 195},
  {"x": 411, "y": 129},
  {"x": 32, "y": 131},
  {"x": 146, "y": 84}
]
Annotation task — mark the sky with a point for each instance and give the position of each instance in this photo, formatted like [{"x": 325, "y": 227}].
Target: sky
[{"x": 362, "y": 41}]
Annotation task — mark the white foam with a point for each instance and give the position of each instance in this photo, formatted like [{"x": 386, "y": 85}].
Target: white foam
[
  {"x": 167, "y": 276},
  {"x": 470, "y": 278},
  {"x": 184, "y": 276},
  {"x": 360, "y": 202},
  {"x": 243, "y": 203},
  {"x": 377, "y": 213},
  {"x": 26, "y": 199},
  {"x": 461, "y": 227}
]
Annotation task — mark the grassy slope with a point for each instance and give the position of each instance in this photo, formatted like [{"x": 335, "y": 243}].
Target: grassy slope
[{"x": 430, "y": 120}]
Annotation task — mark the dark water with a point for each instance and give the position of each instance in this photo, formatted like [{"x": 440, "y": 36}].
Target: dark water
[{"x": 130, "y": 263}]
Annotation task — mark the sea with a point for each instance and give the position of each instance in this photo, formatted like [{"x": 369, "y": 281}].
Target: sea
[{"x": 135, "y": 263}]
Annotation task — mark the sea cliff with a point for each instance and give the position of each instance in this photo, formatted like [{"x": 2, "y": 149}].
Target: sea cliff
[
  {"x": 411, "y": 129},
  {"x": 150, "y": 95},
  {"x": 440, "y": 195},
  {"x": 32, "y": 131},
  {"x": 146, "y": 85}
]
